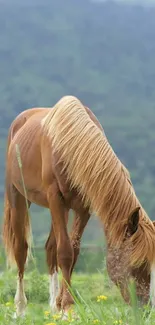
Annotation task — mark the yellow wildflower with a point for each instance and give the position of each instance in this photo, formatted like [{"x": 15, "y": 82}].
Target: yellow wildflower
[
  {"x": 56, "y": 317},
  {"x": 70, "y": 315},
  {"x": 96, "y": 321},
  {"x": 8, "y": 304},
  {"x": 50, "y": 324},
  {"x": 99, "y": 298},
  {"x": 118, "y": 322},
  {"x": 46, "y": 312}
]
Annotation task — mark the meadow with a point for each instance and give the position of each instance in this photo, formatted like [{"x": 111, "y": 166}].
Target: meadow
[{"x": 98, "y": 301}]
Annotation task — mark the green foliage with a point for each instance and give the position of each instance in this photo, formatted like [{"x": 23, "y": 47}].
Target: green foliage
[
  {"x": 101, "y": 52},
  {"x": 97, "y": 301}
]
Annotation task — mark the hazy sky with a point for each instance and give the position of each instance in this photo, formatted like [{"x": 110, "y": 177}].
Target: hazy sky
[{"x": 146, "y": 2}]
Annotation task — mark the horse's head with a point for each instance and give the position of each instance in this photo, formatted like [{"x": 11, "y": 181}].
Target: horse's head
[{"x": 121, "y": 270}]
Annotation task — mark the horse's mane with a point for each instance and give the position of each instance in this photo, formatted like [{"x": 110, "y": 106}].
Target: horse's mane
[{"x": 94, "y": 169}]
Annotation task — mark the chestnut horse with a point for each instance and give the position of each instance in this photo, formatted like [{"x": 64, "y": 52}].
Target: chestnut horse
[{"x": 68, "y": 163}]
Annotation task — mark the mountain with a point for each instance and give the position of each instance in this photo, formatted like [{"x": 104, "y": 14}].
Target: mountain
[{"x": 104, "y": 53}]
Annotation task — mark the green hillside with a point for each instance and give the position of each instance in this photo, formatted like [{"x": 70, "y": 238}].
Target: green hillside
[{"x": 104, "y": 53}]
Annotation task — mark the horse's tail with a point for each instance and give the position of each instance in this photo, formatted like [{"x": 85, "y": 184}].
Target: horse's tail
[{"x": 8, "y": 235}]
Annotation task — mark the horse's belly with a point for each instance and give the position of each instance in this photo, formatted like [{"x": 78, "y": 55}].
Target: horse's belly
[{"x": 38, "y": 198}]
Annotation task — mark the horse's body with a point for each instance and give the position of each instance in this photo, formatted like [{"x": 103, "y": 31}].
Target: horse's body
[{"x": 52, "y": 144}]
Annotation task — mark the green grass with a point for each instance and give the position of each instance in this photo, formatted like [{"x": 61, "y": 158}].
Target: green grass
[{"x": 109, "y": 310}]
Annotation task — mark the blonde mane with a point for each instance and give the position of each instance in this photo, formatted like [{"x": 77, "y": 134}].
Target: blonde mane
[{"x": 94, "y": 169}]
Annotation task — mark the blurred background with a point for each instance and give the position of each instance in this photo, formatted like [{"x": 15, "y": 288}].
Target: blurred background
[{"x": 100, "y": 51}]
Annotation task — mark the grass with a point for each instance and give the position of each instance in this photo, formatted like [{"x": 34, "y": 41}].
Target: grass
[{"x": 97, "y": 302}]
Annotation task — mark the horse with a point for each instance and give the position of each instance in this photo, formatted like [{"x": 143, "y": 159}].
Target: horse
[
  {"x": 68, "y": 163},
  {"x": 51, "y": 249}
]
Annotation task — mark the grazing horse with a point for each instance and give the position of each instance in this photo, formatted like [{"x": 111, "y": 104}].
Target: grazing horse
[{"x": 68, "y": 163}]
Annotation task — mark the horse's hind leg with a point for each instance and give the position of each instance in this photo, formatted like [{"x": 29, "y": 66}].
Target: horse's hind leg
[{"x": 16, "y": 231}]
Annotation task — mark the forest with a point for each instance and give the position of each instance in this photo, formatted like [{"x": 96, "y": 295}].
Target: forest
[{"x": 101, "y": 52}]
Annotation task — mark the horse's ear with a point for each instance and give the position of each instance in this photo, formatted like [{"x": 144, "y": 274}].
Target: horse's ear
[{"x": 133, "y": 221}]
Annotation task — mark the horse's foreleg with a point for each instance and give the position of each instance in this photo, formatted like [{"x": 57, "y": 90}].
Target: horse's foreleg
[
  {"x": 79, "y": 224},
  {"x": 78, "y": 228},
  {"x": 51, "y": 254},
  {"x": 64, "y": 247}
]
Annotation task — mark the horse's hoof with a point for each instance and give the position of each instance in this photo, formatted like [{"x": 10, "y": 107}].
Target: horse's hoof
[
  {"x": 53, "y": 307},
  {"x": 14, "y": 315},
  {"x": 18, "y": 314},
  {"x": 69, "y": 314}
]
